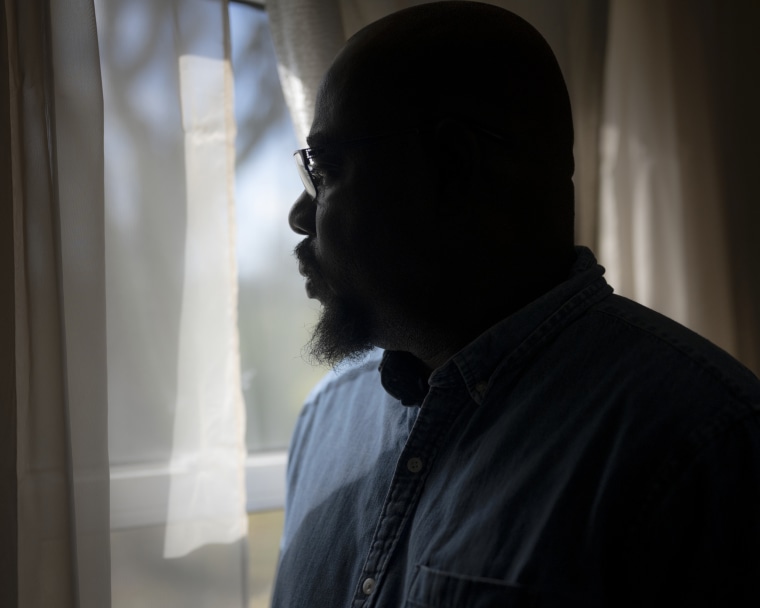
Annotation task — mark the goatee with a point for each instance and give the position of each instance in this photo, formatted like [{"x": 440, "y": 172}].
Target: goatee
[{"x": 342, "y": 333}]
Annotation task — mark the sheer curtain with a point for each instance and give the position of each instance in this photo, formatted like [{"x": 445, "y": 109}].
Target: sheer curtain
[
  {"x": 55, "y": 492},
  {"x": 664, "y": 188},
  {"x": 85, "y": 268},
  {"x": 663, "y": 233},
  {"x": 306, "y": 36},
  {"x": 177, "y": 429},
  {"x": 678, "y": 205}
]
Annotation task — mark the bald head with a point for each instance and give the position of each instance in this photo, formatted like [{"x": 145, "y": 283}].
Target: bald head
[
  {"x": 458, "y": 59},
  {"x": 440, "y": 164}
]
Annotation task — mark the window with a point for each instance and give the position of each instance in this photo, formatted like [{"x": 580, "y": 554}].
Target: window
[{"x": 146, "y": 192}]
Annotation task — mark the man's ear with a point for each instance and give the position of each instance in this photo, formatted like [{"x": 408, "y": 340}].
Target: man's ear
[{"x": 458, "y": 159}]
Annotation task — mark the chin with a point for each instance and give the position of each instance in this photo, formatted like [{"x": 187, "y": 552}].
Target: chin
[{"x": 342, "y": 333}]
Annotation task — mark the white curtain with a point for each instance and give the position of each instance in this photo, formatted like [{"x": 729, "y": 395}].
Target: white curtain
[
  {"x": 177, "y": 427},
  {"x": 306, "y": 36},
  {"x": 664, "y": 170},
  {"x": 663, "y": 235},
  {"x": 55, "y": 493},
  {"x": 99, "y": 318}
]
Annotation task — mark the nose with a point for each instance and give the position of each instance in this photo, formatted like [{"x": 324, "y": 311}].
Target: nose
[{"x": 302, "y": 216}]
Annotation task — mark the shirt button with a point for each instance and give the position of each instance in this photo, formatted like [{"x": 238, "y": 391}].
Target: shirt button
[
  {"x": 481, "y": 387},
  {"x": 414, "y": 464},
  {"x": 368, "y": 586}
]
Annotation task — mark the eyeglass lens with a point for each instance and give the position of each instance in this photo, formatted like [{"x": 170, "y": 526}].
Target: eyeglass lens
[{"x": 308, "y": 184}]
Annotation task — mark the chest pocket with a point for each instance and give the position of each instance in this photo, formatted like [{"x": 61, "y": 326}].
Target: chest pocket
[{"x": 437, "y": 589}]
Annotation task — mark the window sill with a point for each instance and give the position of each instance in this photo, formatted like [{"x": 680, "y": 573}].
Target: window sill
[{"x": 139, "y": 492}]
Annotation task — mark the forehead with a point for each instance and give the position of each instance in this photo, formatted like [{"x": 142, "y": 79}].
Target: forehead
[
  {"x": 342, "y": 111},
  {"x": 336, "y": 117},
  {"x": 357, "y": 97}
]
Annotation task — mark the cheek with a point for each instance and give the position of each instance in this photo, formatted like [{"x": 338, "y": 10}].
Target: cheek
[
  {"x": 371, "y": 226},
  {"x": 338, "y": 245}
]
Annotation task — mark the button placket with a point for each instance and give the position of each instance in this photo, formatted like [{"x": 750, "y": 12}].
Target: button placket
[{"x": 428, "y": 433}]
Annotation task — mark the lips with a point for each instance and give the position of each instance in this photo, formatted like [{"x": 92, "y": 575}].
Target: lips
[
  {"x": 310, "y": 290},
  {"x": 308, "y": 266},
  {"x": 307, "y": 260}
]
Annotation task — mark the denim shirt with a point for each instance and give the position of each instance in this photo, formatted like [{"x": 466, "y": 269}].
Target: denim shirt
[{"x": 586, "y": 451}]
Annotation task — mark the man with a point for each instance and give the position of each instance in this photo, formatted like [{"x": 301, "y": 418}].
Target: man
[{"x": 530, "y": 438}]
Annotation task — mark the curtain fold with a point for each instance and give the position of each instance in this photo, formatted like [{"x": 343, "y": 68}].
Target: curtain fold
[
  {"x": 731, "y": 55},
  {"x": 61, "y": 556},
  {"x": 663, "y": 231},
  {"x": 207, "y": 491},
  {"x": 8, "y": 241},
  {"x": 307, "y": 35}
]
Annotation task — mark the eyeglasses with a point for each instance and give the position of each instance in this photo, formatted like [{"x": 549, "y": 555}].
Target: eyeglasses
[{"x": 306, "y": 163}]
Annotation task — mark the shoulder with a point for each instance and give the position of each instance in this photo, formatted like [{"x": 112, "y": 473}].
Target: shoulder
[
  {"x": 668, "y": 353},
  {"x": 344, "y": 432},
  {"x": 676, "y": 383},
  {"x": 346, "y": 382},
  {"x": 347, "y": 400},
  {"x": 700, "y": 411}
]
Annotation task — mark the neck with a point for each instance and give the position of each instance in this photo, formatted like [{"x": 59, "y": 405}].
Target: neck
[{"x": 442, "y": 328}]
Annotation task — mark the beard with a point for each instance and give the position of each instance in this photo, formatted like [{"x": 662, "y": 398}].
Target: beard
[{"x": 342, "y": 333}]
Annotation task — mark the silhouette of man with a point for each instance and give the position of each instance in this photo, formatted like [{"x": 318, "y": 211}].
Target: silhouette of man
[{"x": 525, "y": 437}]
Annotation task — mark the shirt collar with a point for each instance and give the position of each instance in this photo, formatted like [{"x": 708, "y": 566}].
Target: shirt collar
[{"x": 509, "y": 342}]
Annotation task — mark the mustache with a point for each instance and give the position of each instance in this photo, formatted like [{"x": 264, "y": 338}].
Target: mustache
[{"x": 307, "y": 258}]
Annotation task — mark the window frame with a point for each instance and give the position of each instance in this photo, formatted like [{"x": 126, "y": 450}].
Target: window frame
[
  {"x": 138, "y": 492},
  {"x": 257, "y": 4}
]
